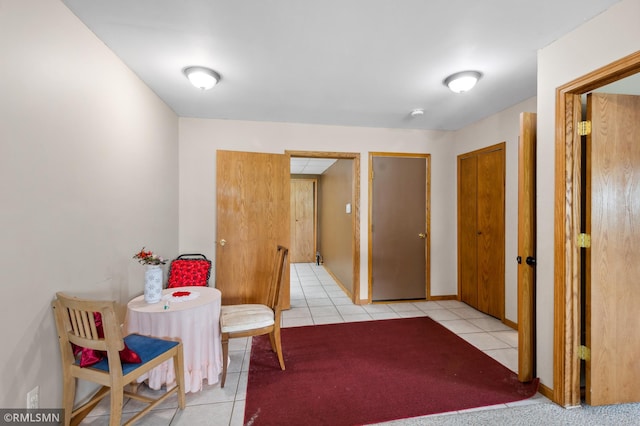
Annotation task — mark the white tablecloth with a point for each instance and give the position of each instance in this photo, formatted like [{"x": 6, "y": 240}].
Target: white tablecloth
[{"x": 195, "y": 319}]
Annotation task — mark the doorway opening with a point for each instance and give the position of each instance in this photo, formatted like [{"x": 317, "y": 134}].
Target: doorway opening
[
  {"x": 568, "y": 322},
  {"x": 353, "y": 211}
]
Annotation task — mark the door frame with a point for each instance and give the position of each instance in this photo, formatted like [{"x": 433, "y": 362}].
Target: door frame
[
  {"x": 427, "y": 251},
  {"x": 355, "y": 241},
  {"x": 567, "y": 276}
]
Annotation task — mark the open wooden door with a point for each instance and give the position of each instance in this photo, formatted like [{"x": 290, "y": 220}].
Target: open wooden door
[
  {"x": 252, "y": 198},
  {"x": 613, "y": 268},
  {"x": 526, "y": 246}
]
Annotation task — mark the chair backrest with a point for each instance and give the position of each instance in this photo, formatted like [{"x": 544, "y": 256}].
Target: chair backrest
[
  {"x": 76, "y": 324},
  {"x": 189, "y": 270},
  {"x": 277, "y": 278}
]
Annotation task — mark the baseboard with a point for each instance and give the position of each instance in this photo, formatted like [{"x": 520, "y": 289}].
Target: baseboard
[
  {"x": 430, "y": 299},
  {"x": 357, "y": 300},
  {"x": 446, "y": 297},
  {"x": 545, "y": 391},
  {"x": 510, "y": 323}
]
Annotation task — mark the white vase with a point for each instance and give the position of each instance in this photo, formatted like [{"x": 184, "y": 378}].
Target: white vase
[{"x": 153, "y": 284}]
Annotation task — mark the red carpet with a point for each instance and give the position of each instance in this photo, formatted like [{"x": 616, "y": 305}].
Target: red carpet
[{"x": 367, "y": 372}]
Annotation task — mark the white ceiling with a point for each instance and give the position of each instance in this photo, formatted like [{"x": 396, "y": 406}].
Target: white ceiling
[
  {"x": 337, "y": 62},
  {"x": 310, "y": 166}
]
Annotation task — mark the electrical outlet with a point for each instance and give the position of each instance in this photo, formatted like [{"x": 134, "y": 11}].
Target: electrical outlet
[{"x": 32, "y": 397}]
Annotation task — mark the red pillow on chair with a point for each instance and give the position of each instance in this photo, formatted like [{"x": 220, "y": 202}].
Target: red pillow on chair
[
  {"x": 88, "y": 357},
  {"x": 189, "y": 272}
]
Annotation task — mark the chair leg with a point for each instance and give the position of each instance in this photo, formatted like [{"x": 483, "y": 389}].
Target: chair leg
[
  {"x": 274, "y": 336},
  {"x": 225, "y": 358},
  {"x": 178, "y": 364},
  {"x": 117, "y": 399},
  {"x": 80, "y": 413},
  {"x": 272, "y": 340},
  {"x": 68, "y": 396}
]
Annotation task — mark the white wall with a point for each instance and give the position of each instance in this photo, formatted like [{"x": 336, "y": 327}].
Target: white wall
[
  {"x": 88, "y": 175},
  {"x": 200, "y": 138},
  {"x": 502, "y": 127},
  {"x": 605, "y": 39}
]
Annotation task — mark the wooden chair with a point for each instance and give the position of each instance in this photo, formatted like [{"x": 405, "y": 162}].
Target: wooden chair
[
  {"x": 78, "y": 324},
  {"x": 246, "y": 320}
]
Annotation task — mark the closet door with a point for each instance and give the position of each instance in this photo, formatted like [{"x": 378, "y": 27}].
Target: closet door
[
  {"x": 481, "y": 229},
  {"x": 467, "y": 228},
  {"x": 490, "y": 217}
]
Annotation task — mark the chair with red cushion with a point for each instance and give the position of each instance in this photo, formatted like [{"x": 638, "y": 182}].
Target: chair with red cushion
[
  {"x": 116, "y": 361},
  {"x": 189, "y": 270}
]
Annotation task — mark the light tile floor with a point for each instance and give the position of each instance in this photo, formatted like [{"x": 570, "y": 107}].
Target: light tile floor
[{"x": 317, "y": 299}]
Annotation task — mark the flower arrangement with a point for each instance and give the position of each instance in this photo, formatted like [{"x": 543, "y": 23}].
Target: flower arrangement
[{"x": 148, "y": 258}]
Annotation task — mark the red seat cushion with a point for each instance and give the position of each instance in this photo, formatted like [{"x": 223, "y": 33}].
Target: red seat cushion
[
  {"x": 89, "y": 357},
  {"x": 148, "y": 348},
  {"x": 189, "y": 272}
]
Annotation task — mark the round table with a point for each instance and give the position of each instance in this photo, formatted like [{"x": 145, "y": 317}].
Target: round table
[{"x": 191, "y": 314}]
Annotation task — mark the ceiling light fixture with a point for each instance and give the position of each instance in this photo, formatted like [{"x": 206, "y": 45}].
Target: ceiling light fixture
[
  {"x": 417, "y": 112},
  {"x": 202, "y": 77},
  {"x": 462, "y": 81}
]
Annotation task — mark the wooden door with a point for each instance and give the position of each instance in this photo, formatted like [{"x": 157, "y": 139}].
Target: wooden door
[
  {"x": 526, "y": 246},
  {"x": 252, "y": 195},
  {"x": 467, "y": 230},
  {"x": 481, "y": 230},
  {"x": 613, "y": 221},
  {"x": 303, "y": 220},
  {"x": 491, "y": 233},
  {"x": 399, "y": 227}
]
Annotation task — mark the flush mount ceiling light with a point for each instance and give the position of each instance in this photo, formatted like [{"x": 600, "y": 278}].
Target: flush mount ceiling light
[
  {"x": 202, "y": 77},
  {"x": 462, "y": 81},
  {"x": 417, "y": 113}
]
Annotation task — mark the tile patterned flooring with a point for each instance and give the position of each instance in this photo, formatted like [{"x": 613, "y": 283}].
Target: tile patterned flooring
[{"x": 317, "y": 299}]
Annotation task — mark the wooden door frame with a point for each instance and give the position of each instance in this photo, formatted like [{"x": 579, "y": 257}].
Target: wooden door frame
[
  {"x": 566, "y": 365},
  {"x": 355, "y": 241},
  {"x": 427, "y": 251}
]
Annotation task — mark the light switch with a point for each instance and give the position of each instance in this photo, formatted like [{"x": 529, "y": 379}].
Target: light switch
[{"x": 347, "y": 208}]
